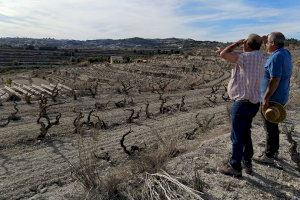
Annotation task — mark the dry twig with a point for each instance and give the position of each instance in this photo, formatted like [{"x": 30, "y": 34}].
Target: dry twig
[{"x": 163, "y": 186}]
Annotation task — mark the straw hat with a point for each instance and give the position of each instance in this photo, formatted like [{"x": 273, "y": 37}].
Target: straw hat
[{"x": 275, "y": 113}]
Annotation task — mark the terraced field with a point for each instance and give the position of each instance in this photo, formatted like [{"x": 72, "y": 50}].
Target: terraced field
[
  {"x": 47, "y": 161},
  {"x": 28, "y": 165}
]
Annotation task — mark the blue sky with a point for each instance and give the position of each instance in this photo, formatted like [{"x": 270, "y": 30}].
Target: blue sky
[{"x": 218, "y": 20}]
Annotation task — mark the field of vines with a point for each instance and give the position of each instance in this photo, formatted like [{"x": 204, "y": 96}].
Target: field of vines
[{"x": 49, "y": 117}]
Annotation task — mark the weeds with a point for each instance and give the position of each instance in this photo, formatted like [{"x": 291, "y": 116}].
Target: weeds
[
  {"x": 163, "y": 186},
  {"x": 96, "y": 181},
  {"x": 203, "y": 125},
  {"x": 154, "y": 159},
  {"x": 295, "y": 156},
  {"x": 142, "y": 178},
  {"x": 96, "y": 184},
  {"x": 198, "y": 183}
]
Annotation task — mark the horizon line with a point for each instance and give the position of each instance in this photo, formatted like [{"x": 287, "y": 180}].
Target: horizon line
[{"x": 82, "y": 40}]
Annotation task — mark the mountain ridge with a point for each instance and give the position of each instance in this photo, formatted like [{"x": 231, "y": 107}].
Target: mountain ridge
[{"x": 134, "y": 42}]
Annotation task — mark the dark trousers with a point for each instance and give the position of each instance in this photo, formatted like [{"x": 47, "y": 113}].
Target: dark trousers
[
  {"x": 242, "y": 114},
  {"x": 272, "y": 140}
]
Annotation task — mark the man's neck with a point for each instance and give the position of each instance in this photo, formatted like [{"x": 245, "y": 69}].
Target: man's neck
[{"x": 273, "y": 50}]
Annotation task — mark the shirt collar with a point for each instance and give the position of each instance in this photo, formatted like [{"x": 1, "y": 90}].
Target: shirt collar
[{"x": 279, "y": 49}]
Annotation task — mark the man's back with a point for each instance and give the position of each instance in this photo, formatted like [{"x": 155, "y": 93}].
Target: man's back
[{"x": 246, "y": 76}]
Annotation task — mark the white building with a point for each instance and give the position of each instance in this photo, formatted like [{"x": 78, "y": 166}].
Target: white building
[{"x": 116, "y": 59}]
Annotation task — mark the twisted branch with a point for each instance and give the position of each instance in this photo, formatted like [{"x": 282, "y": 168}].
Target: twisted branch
[
  {"x": 43, "y": 114},
  {"x": 133, "y": 148}
]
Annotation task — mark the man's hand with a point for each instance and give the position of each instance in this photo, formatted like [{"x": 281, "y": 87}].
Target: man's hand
[
  {"x": 272, "y": 87},
  {"x": 265, "y": 103},
  {"x": 218, "y": 51},
  {"x": 240, "y": 42}
]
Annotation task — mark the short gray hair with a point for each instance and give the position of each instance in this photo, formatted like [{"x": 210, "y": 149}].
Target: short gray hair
[
  {"x": 254, "y": 41},
  {"x": 278, "y": 39}
]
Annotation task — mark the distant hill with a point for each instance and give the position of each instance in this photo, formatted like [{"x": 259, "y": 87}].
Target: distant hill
[{"x": 135, "y": 42}]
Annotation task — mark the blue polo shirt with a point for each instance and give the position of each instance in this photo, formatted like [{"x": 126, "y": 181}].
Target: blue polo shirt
[{"x": 278, "y": 65}]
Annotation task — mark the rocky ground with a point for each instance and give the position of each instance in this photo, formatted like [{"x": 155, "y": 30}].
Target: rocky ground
[
  {"x": 281, "y": 181},
  {"x": 33, "y": 169}
]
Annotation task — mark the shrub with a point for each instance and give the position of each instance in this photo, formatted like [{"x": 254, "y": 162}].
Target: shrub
[
  {"x": 99, "y": 59},
  {"x": 8, "y": 82}
]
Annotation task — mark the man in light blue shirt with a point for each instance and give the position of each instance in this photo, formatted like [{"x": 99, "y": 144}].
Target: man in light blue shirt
[{"x": 275, "y": 87}]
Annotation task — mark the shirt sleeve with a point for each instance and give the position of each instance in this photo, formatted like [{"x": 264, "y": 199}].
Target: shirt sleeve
[
  {"x": 241, "y": 59},
  {"x": 276, "y": 66}
]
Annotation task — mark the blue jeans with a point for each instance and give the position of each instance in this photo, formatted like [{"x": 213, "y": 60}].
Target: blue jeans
[{"x": 242, "y": 114}]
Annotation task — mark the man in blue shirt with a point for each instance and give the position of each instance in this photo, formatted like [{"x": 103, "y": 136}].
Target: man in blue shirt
[{"x": 275, "y": 87}]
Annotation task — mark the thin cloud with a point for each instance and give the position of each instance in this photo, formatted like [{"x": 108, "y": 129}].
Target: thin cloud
[{"x": 94, "y": 19}]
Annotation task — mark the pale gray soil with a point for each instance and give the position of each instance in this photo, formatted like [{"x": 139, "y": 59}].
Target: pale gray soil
[
  {"x": 267, "y": 182},
  {"x": 32, "y": 169}
]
